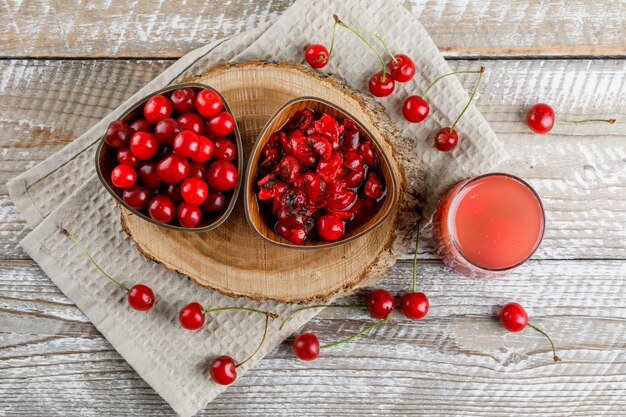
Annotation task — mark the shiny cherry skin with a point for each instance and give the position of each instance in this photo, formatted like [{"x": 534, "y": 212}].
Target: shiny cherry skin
[
  {"x": 191, "y": 121},
  {"x": 123, "y": 176},
  {"x": 222, "y": 175},
  {"x": 149, "y": 176},
  {"x": 380, "y": 303},
  {"x": 141, "y": 125},
  {"x": 306, "y": 346},
  {"x": 513, "y": 317},
  {"x": 379, "y": 87},
  {"x": 186, "y": 144},
  {"x": 446, "y": 139},
  {"x": 221, "y": 124},
  {"x": 224, "y": 149},
  {"x": 118, "y": 134},
  {"x": 540, "y": 118},
  {"x": 136, "y": 196},
  {"x": 208, "y": 103},
  {"x": 166, "y": 130},
  {"x": 402, "y": 68},
  {"x": 157, "y": 108},
  {"x": 368, "y": 153},
  {"x": 353, "y": 160},
  {"x": 173, "y": 192},
  {"x": 414, "y": 305},
  {"x": 198, "y": 170},
  {"x": 316, "y": 55},
  {"x": 415, "y": 109},
  {"x": 194, "y": 191},
  {"x": 141, "y": 297},
  {"x": 144, "y": 145},
  {"x": 161, "y": 208},
  {"x": 205, "y": 149},
  {"x": 214, "y": 202},
  {"x": 223, "y": 370},
  {"x": 373, "y": 187},
  {"x": 126, "y": 157},
  {"x": 183, "y": 100},
  {"x": 330, "y": 228},
  {"x": 173, "y": 169},
  {"x": 191, "y": 316},
  {"x": 188, "y": 215}
]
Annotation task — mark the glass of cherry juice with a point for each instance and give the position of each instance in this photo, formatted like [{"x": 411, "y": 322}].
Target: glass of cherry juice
[{"x": 488, "y": 225}]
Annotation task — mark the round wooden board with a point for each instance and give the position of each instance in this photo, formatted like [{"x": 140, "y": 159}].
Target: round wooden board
[{"x": 232, "y": 259}]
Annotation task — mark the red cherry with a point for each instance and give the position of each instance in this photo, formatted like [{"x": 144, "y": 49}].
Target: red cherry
[
  {"x": 191, "y": 316},
  {"x": 140, "y": 297},
  {"x": 118, "y": 134},
  {"x": 144, "y": 145},
  {"x": 223, "y": 370},
  {"x": 161, "y": 208},
  {"x": 126, "y": 157},
  {"x": 224, "y": 149},
  {"x": 446, "y": 139},
  {"x": 173, "y": 169},
  {"x": 173, "y": 192},
  {"x": 379, "y": 87},
  {"x": 166, "y": 130},
  {"x": 316, "y": 55},
  {"x": 513, "y": 317},
  {"x": 330, "y": 228},
  {"x": 222, "y": 175},
  {"x": 183, "y": 100},
  {"x": 540, "y": 118},
  {"x": 414, "y": 305},
  {"x": 123, "y": 176},
  {"x": 289, "y": 168},
  {"x": 194, "y": 191},
  {"x": 188, "y": 215},
  {"x": 380, "y": 303},
  {"x": 186, "y": 144},
  {"x": 148, "y": 175},
  {"x": 352, "y": 160},
  {"x": 208, "y": 103},
  {"x": 205, "y": 149},
  {"x": 157, "y": 108},
  {"x": 296, "y": 236},
  {"x": 221, "y": 124},
  {"x": 415, "y": 109},
  {"x": 402, "y": 68},
  {"x": 306, "y": 346},
  {"x": 141, "y": 125},
  {"x": 136, "y": 196},
  {"x": 197, "y": 170},
  {"x": 354, "y": 178},
  {"x": 374, "y": 187},
  {"x": 191, "y": 121},
  {"x": 214, "y": 202},
  {"x": 368, "y": 154}
]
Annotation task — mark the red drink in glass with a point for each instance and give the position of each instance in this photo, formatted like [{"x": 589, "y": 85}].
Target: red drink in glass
[{"x": 488, "y": 225}]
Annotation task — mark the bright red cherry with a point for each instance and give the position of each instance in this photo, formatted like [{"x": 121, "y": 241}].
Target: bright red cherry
[
  {"x": 161, "y": 208},
  {"x": 191, "y": 316},
  {"x": 188, "y": 215},
  {"x": 205, "y": 149},
  {"x": 157, "y": 108},
  {"x": 224, "y": 149},
  {"x": 123, "y": 176},
  {"x": 513, "y": 317},
  {"x": 118, "y": 134},
  {"x": 183, "y": 100},
  {"x": 144, "y": 145},
  {"x": 136, "y": 196},
  {"x": 380, "y": 303},
  {"x": 402, "y": 68},
  {"x": 306, "y": 346},
  {"x": 380, "y": 87},
  {"x": 126, "y": 157},
  {"x": 140, "y": 297},
  {"x": 191, "y": 121},
  {"x": 446, "y": 139},
  {"x": 194, "y": 191},
  {"x": 148, "y": 175},
  {"x": 223, "y": 370},
  {"x": 415, "y": 109},
  {"x": 316, "y": 55},
  {"x": 166, "y": 130},
  {"x": 214, "y": 202},
  {"x": 330, "y": 228},
  {"x": 222, "y": 175},
  {"x": 221, "y": 124},
  {"x": 186, "y": 144},
  {"x": 414, "y": 305},
  {"x": 173, "y": 169},
  {"x": 540, "y": 118},
  {"x": 141, "y": 125},
  {"x": 208, "y": 103}
]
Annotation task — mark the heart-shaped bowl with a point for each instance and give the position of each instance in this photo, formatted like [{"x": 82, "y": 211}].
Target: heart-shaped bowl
[
  {"x": 106, "y": 160},
  {"x": 261, "y": 219}
]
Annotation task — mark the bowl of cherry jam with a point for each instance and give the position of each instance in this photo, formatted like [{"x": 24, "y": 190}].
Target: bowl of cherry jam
[
  {"x": 316, "y": 178},
  {"x": 174, "y": 158}
]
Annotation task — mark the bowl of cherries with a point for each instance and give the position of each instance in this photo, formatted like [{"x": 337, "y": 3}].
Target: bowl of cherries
[
  {"x": 174, "y": 158},
  {"x": 316, "y": 178}
]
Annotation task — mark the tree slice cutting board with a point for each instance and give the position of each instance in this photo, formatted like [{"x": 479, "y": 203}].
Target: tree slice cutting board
[{"x": 232, "y": 259}]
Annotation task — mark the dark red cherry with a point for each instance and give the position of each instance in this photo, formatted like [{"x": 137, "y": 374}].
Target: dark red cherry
[
  {"x": 136, "y": 196},
  {"x": 148, "y": 175},
  {"x": 126, "y": 157},
  {"x": 414, "y": 305},
  {"x": 224, "y": 149},
  {"x": 118, "y": 134},
  {"x": 191, "y": 121},
  {"x": 173, "y": 192},
  {"x": 191, "y": 316},
  {"x": 368, "y": 154},
  {"x": 161, "y": 208},
  {"x": 188, "y": 215},
  {"x": 141, "y": 125},
  {"x": 166, "y": 130},
  {"x": 186, "y": 144},
  {"x": 306, "y": 346},
  {"x": 222, "y": 175},
  {"x": 198, "y": 170},
  {"x": 214, "y": 202},
  {"x": 446, "y": 139},
  {"x": 183, "y": 100}
]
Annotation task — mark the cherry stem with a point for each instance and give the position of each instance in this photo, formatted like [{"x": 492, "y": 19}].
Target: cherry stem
[
  {"x": 451, "y": 73},
  {"x": 289, "y": 317},
  {"x": 576, "y": 122},
  {"x": 382, "y": 41},
  {"x": 267, "y": 319},
  {"x": 555, "y": 357},
  {"x": 93, "y": 261},
  {"x": 357, "y": 33},
  {"x": 354, "y": 336},
  {"x": 266, "y": 313},
  {"x": 480, "y": 76},
  {"x": 332, "y": 44},
  {"x": 417, "y": 239}
]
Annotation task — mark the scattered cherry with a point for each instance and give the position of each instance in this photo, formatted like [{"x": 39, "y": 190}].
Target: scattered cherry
[
  {"x": 401, "y": 68},
  {"x": 208, "y": 103},
  {"x": 306, "y": 346},
  {"x": 191, "y": 316},
  {"x": 157, "y": 108},
  {"x": 123, "y": 176},
  {"x": 446, "y": 139},
  {"x": 223, "y": 370},
  {"x": 316, "y": 55},
  {"x": 381, "y": 84},
  {"x": 380, "y": 303},
  {"x": 118, "y": 134},
  {"x": 415, "y": 109},
  {"x": 540, "y": 119}
]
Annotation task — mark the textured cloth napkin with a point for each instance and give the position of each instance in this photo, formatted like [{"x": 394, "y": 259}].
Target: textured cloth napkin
[{"x": 173, "y": 360}]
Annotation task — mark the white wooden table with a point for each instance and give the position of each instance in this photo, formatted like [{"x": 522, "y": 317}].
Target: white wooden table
[{"x": 64, "y": 65}]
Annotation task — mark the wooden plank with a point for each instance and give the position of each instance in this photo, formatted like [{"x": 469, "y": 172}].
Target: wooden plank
[
  {"x": 165, "y": 29},
  {"x": 579, "y": 171},
  {"x": 456, "y": 361}
]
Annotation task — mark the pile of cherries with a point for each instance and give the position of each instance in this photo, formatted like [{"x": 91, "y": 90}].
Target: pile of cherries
[
  {"x": 318, "y": 178},
  {"x": 176, "y": 163}
]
